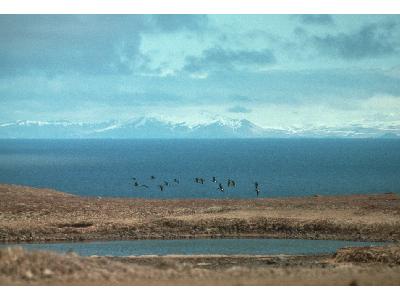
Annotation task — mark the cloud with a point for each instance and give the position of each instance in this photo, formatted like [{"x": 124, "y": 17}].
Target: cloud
[
  {"x": 393, "y": 71},
  {"x": 238, "y": 97},
  {"x": 382, "y": 103},
  {"x": 239, "y": 109},
  {"x": 316, "y": 19},
  {"x": 54, "y": 44},
  {"x": 218, "y": 58},
  {"x": 178, "y": 22},
  {"x": 142, "y": 98},
  {"x": 372, "y": 40},
  {"x": 86, "y": 44}
]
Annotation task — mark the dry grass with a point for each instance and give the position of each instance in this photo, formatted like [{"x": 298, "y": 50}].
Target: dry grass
[
  {"x": 388, "y": 255},
  {"x": 30, "y": 214},
  {"x": 20, "y": 267}
]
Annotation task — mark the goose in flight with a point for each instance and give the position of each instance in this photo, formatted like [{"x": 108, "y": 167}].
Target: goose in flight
[
  {"x": 161, "y": 187},
  {"x": 220, "y": 187},
  {"x": 257, "y": 191},
  {"x": 214, "y": 179},
  {"x": 231, "y": 183},
  {"x": 136, "y": 184}
]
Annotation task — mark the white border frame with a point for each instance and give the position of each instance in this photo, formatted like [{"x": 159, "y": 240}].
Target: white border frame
[{"x": 200, "y": 6}]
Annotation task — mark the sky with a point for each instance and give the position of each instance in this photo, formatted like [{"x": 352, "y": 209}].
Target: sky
[{"x": 278, "y": 71}]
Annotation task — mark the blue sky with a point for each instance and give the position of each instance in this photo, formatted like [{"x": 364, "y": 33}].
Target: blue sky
[{"x": 277, "y": 71}]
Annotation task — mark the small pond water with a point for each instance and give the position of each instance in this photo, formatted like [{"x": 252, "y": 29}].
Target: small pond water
[{"x": 197, "y": 246}]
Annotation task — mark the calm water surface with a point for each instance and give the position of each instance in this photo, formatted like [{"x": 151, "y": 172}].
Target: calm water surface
[
  {"x": 282, "y": 167},
  {"x": 198, "y": 246}
]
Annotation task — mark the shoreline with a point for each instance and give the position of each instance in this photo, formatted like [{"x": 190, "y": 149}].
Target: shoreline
[
  {"x": 17, "y": 243},
  {"x": 233, "y": 237}
]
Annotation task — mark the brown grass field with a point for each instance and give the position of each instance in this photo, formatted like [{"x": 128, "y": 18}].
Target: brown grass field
[
  {"x": 20, "y": 267},
  {"x": 30, "y": 214},
  {"x": 35, "y": 215}
]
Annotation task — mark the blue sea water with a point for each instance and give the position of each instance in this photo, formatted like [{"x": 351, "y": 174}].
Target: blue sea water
[
  {"x": 282, "y": 167},
  {"x": 198, "y": 246}
]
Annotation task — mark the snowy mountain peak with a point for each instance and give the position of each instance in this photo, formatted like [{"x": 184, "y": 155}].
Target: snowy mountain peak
[{"x": 152, "y": 127}]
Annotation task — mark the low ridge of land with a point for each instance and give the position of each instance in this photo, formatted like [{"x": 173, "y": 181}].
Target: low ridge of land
[
  {"x": 30, "y": 214},
  {"x": 348, "y": 266}
]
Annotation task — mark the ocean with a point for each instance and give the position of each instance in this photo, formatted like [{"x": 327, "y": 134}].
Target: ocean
[{"x": 282, "y": 167}]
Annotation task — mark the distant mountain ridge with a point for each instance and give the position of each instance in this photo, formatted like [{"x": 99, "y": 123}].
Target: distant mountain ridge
[{"x": 155, "y": 128}]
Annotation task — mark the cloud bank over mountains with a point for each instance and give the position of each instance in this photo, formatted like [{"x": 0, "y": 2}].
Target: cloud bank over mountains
[{"x": 278, "y": 71}]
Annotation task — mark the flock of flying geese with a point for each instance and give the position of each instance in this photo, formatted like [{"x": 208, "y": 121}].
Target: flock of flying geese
[{"x": 231, "y": 184}]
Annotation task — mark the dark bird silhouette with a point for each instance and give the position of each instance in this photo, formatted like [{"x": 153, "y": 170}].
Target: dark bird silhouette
[
  {"x": 214, "y": 179},
  {"x": 166, "y": 183},
  {"x": 176, "y": 181},
  {"x": 136, "y": 184},
  {"x": 220, "y": 187},
  {"x": 152, "y": 177},
  {"x": 257, "y": 191},
  {"x": 256, "y": 185},
  {"x": 196, "y": 180},
  {"x": 161, "y": 187},
  {"x": 134, "y": 178},
  {"x": 233, "y": 183},
  {"x": 201, "y": 180}
]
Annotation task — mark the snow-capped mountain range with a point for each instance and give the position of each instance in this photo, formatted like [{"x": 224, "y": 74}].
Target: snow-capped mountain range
[{"x": 157, "y": 128}]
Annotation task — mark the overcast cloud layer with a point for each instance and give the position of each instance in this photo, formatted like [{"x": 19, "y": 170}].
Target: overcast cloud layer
[{"x": 277, "y": 71}]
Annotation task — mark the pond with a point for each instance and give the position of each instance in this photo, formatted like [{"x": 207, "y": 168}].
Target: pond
[{"x": 198, "y": 246}]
